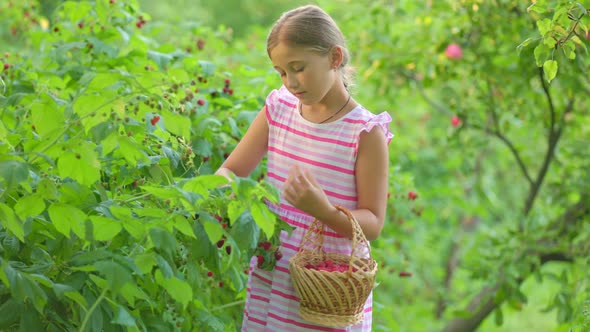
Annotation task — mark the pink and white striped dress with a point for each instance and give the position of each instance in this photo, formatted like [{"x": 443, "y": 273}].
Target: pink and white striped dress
[{"x": 329, "y": 150}]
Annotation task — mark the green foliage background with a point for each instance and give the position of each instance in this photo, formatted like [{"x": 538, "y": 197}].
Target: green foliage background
[{"x": 99, "y": 203}]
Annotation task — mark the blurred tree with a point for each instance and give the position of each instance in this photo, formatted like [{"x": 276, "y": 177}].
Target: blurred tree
[{"x": 242, "y": 15}]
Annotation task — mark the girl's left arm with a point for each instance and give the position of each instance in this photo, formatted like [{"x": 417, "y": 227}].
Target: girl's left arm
[
  {"x": 372, "y": 165},
  {"x": 372, "y": 168}
]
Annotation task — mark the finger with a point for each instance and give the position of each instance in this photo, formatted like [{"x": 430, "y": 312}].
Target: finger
[
  {"x": 309, "y": 177},
  {"x": 296, "y": 172},
  {"x": 289, "y": 180},
  {"x": 302, "y": 175},
  {"x": 292, "y": 176}
]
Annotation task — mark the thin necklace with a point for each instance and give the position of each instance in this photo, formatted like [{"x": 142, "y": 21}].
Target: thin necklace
[{"x": 331, "y": 116}]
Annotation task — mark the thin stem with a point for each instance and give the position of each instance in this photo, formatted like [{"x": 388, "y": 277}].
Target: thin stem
[
  {"x": 492, "y": 106},
  {"x": 65, "y": 130},
  {"x": 549, "y": 101},
  {"x": 136, "y": 198},
  {"x": 91, "y": 310},
  {"x": 432, "y": 103},
  {"x": 232, "y": 304},
  {"x": 510, "y": 146}
]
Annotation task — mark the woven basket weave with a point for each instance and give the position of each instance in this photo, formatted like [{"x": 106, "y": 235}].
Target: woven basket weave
[{"x": 331, "y": 298}]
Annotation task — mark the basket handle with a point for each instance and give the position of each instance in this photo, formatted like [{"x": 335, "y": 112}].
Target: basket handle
[
  {"x": 314, "y": 239},
  {"x": 359, "y": 240}
]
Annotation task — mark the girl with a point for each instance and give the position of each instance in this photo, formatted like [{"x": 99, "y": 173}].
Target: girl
[{"x": 322, "y": 151}]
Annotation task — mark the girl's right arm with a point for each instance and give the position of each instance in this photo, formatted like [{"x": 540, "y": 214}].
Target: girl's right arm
[{"x": 249, "y": 151}]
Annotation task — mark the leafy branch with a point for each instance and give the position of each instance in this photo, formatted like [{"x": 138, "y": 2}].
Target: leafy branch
[{"x": 484, "y": 302}]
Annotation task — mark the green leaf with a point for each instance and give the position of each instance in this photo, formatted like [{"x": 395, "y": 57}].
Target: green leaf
[
  {"x": 163, "y": 240},
  {"x": 161, "y": 59},
  {"x": 541, "y": 53},
  {"x": 100, "y": 81},
  {"x": 179, "y": 290},
  {"x": 538, "y": 7},
  {"x": 164, "y": 267},
  {"x": 3, "y": 132},
  {"x": 132, "y": 152},
  {"x": 110, "y": 143},
  {"x": 135, "y": 227},
  {"x": 92, "y": 109},
  {"x": 38, "y": 296},
  {"x": 47, "y": 189},
  {"x": 235, "y": 210},
  {"x": 145, "y": 262},
  {"x": 105, "y": 229},
  {"x": 30, "y": 320},
  {"x": 131, "y": 292},
  {"x": 544, "y": 26},
  {"x": 123, "y": 317},
  {"x": 177, "y": 124},
  {"x": 82, "y": 166},
  {"x": 66, "y": 218},
  {"x": 29, "y": 206},
  {"x": 263, "y": 217},
  {"x": 214, "y": 230},
  {"x": 236, "y": 277},
  {"x": 10, "y": 312},
  {"x": 178, "y": 74},
  {"x": 207, "y": 67},
  {"x": 151, "y": 212},
  {"x": 115, "y": 274},
  {"x": 77, "y": 11},
  {"x": 498, "y": 316},
  {"x": 183, "y": 226},
  {"x": 202, "y": 246},
  {"x": 207, "y": 319},
  {"x": 23, "y": 287},
  {"x": 9, "y": 220},
  {"x": 245, "y": 231},
  {"x": 202, "y": 184},
  {"x": 47, "y": 117},
  {"x": 550, "y": 69},
  {"x": 13, "y": 172},
  {"x": 550, "y": 41}
]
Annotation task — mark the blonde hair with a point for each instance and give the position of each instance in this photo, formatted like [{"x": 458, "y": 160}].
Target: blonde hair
[{"x": 312, "y": 28}]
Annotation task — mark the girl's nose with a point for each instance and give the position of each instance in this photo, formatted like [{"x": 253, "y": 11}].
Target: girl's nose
[{"x": 292, "y": 82}]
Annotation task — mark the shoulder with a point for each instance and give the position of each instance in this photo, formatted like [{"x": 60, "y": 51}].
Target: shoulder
[
  {"x": 278, "y": 100},
  {"x": 367, "y": 121},
  {"x": 281, "y": 96}
]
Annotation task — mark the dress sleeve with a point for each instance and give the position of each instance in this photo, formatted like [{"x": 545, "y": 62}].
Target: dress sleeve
[
  {"x": 382, "y": 121},
  {"x": 271, "y": 104}
]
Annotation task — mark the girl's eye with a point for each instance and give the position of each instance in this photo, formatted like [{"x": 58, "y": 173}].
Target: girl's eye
[{"x": 298, "y": 70}]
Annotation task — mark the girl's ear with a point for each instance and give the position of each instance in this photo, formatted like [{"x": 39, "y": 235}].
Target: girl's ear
[{"x": 336, "y": 57}]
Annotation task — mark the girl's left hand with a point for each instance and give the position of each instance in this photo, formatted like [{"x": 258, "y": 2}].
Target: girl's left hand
[{"x": 303, "y": 192}]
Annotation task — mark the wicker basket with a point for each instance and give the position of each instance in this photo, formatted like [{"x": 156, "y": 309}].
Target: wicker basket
[{"x": 332, "y": 298}]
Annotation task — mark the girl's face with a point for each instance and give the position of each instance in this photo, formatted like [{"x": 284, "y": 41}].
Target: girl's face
[{"x": 308, "y": 75}]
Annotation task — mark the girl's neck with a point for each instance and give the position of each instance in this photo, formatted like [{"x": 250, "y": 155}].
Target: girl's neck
[
  {"x": 334, "y": 105},
  {"x": 332, "y": 102}
]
